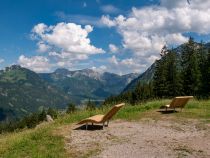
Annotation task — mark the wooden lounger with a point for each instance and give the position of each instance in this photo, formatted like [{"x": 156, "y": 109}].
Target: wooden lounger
[
  {"x": 178, "y": 102},
  {"x": 102, "y": 118}
]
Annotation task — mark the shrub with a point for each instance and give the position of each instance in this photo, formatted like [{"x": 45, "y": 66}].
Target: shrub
[{"x": 71, "y": 108}]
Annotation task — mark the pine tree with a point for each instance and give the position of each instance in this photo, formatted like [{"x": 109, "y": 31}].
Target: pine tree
[
  {"x": 191, "y": 75},
  {"x": 71, "y": 108},
  {"x": 207, "y": 75},
  {"x": 90, "y": 105},
  {"x": 204, "y": 64},
  {"x": 159, "y": 79},
  {"x": 42, "y": 115},
  {"x": 173, "y": 84}
]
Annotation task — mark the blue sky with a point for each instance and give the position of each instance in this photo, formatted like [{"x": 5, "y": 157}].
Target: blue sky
[{"x": 120, "y": 36}]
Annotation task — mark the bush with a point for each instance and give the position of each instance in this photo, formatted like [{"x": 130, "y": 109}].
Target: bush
[
  {"x": 90, "y": 105},
  {"x": 52, "y": 112},
  {"x": 32, "y": 120},
  {"x": 29, "y": 121},
  {"x": 71, "y": 108},
  {"x": 42, "y": 115}
]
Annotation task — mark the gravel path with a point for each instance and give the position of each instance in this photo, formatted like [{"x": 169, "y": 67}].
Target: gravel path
[{"x": 145, "y": 138}]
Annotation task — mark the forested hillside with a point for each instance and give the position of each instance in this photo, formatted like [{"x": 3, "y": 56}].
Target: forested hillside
[
  {"x": 22, "y": 91},
  {"x": 184, "y": 70}
]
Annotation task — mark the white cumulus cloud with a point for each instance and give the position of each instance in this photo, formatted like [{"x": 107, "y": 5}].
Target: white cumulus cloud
[
  {"x": 35, "y": 63},
  {"x": 113, "y": 48},
  {"x": 1, "y": 60},
  {"x": 68, "y": 37},
  {"x": 65, "y": 43},
  {"x": 146, "y": 30}
]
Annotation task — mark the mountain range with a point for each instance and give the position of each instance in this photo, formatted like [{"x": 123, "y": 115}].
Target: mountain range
[
  {"x": 23, "y": 91},
  {"x": 85, "y": 84}
]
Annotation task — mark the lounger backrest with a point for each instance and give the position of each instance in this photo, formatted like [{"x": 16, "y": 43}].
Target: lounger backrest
[
  {"x": 112, "y": 112},
  {"x": 180, "y": 101}
]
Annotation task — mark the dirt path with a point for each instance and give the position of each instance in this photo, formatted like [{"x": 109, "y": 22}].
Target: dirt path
[{"x": 145, "y": 138}]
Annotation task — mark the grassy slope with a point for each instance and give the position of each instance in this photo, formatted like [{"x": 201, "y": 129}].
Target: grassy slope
[{"x": 43, "y": 142}]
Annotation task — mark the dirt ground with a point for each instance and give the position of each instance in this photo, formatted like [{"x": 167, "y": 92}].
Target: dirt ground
[{"x": 165, "y": 137}]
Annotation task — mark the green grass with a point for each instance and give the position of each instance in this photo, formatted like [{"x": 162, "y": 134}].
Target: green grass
[
  {"x": 197, "y": 109},
  {"x": 42, "y": 142}
]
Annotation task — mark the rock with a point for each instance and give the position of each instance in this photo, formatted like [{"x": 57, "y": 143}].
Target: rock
[{"x": 49, "y": 118}]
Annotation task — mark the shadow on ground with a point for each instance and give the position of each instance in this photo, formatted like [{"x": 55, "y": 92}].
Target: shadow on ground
[
  {"x": 167, "y": 112},
  {"x": 90, "y": 127}
]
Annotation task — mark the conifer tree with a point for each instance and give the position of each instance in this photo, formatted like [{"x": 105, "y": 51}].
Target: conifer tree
[
  {"x": 207, "y": 80},
  {"x": 173, "y": 84},
  {"x": 191, "y": 74},
  {"x": 71, "y": 108},
  {"x": 90, "y": 105},
  {"x": 160, "y": 88}
]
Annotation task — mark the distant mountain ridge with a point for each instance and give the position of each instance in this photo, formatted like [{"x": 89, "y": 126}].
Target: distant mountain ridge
[
  {"x": 145, "y": 77},
  {"x": 87, "y": 83}
]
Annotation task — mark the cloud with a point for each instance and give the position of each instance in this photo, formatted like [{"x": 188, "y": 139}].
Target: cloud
[
  {"x": 40, "y": 28},
  {"x": 35, "y": 63},
  {"x": 65, "y": 42},
  {"x": 64, "y": 45},
  {"x": 110, "y": 9},
  {"x": 146, "y": 30},
  {"x": 42, "y": 47},
  {"x": 125, "y": 66},
  {"x": 84, "y": 4},
  {"x": 100, "y": 69},
  {"x": 80, "y": 19},
  {"x": 69, "y": 37},
  {"x": 194, "y": 4},
  {"x": 107, "y": 21},
  {"x": 113, "y": 48},
  {"x": 1, "y": 61}
]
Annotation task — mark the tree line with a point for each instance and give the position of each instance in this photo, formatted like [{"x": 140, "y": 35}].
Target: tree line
[
  {"x": 184, "y": 70},
  {"x": 33, "y": 119}
]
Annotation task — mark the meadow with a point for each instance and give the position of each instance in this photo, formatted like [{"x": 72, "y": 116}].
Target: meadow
[{"x": 44, "y": 142}]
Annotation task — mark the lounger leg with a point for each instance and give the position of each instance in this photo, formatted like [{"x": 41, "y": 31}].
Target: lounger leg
[
  {"x": 103, "y": 124},
  {"x": 92, "y": 124},
  {"x": 86, "y": 126},
  {"x": 107, "y": 123},
  {"x": 174, "y": 109}
]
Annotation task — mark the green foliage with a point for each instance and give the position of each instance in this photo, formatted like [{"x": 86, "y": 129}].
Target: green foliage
[
  {"x": 141, "y": 93},
  {"x": 71, "y": 108},
  {"x": 166, "y": 81},
  {"x": 23, "y": 91},
  {"x": 32, "y": 120},
  {"x": 181, "y": 71},
  {"x": 52, "y": 112},
  {"x": 42, "y": 115},
  {"x": 29, "y": 121},
  {"x": 90, "y": 105},
  {"x": 191, "y": 72},
  {"x": 205, "y": 78}
]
